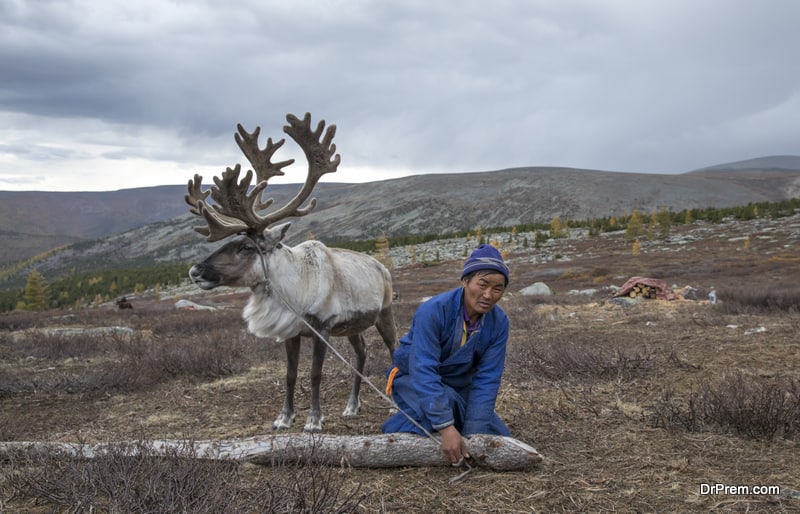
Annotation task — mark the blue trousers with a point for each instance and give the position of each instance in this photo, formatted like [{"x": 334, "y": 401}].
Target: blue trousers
[{"x": 405, "y": 396}]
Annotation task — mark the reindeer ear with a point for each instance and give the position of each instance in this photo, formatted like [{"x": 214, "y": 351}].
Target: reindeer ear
[{"x": 278, "y": 232}]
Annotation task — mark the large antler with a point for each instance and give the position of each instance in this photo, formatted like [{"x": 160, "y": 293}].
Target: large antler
[
  {"x": 321, "y": 156},
  {"x": 237, "y": 211}
]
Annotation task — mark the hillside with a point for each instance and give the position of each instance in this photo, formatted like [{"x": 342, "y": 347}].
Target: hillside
[
  {"x": 153, "y": 225},
  {"x": 786, "y": 162}
]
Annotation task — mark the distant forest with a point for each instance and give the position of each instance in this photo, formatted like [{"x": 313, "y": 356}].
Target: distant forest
[{"x": 88, "y": 289}]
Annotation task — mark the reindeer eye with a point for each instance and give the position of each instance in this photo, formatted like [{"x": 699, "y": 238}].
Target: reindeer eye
[{"x": 246, "y": 248}]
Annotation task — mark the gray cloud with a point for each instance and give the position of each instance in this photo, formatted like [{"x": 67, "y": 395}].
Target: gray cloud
[{"x": 414, "y": 87}]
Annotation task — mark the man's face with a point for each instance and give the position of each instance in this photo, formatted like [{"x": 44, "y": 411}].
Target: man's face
[{"x": 482, "y": 291}]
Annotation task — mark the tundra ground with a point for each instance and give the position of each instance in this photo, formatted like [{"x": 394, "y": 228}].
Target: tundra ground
[{"x": 636, "y": 407}]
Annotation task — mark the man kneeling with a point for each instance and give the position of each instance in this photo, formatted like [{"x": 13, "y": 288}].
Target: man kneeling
[{"x": 448, "y": 366}]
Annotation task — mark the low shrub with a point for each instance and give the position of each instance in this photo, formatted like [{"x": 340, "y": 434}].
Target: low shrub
[
  {"x": 579, "y": 360},
  {"x": 116, "y": 481},
  {"x": 764, "y": 299},
  {"x": 97, "y": 363},
  {"x": 745, "y": 405}
]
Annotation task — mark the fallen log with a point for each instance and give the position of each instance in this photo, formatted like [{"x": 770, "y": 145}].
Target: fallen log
[{"x": 497, "y": 453}]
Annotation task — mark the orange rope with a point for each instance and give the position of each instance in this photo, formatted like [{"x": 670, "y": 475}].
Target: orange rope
[{"x": 390, "y": 380}]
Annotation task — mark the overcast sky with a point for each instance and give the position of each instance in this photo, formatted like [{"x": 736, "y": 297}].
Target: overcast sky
[{"x": 106, "y": 95}]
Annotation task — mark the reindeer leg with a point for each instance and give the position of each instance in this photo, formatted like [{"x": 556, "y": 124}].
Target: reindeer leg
[
  {"x": 354, "y": 403},
  {"x": 315, "y": 417},
  {"x": 285, "y": 418},
  {"x": 387, "y": 329}
]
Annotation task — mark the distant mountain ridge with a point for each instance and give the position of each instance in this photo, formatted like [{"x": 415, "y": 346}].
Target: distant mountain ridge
[
  {"x": 784, "y": 162},
  {"x": 153, "y": 224}
]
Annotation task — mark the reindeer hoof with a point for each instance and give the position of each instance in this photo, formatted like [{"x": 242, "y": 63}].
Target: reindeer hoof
[
  {"x": 313, "y": 424},
  {"x": 350, "y": 411},
  {"x": 282, "y": 422}
]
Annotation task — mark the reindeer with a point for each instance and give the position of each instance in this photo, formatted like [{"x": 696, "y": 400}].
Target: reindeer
[
  {"x": 124, "y": 303},
  {"x": 336, "y": 291}
]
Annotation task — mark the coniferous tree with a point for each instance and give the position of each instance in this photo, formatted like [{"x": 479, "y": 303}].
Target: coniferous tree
[
  {"x": 479, "y": 235},
  {"x": 557, "y": 229},
  {"x": 652, "y": 224},
  {"x": 664, "y": 223},
  {"x": 37, "y": 292},
  {"x": 383, "y": 255},
  {"x": 635, "y": 227}
]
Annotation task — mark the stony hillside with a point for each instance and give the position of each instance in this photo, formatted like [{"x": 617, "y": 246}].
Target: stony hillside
[
  {"x": 423, "y": 204},
  {"x": 457, "y": 202}
]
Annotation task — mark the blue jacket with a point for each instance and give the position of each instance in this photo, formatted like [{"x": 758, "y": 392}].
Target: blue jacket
[{"x": 431, "y": 355}]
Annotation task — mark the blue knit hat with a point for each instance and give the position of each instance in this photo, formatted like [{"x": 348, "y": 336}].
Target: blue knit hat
[{"x": 485, "y": 257}]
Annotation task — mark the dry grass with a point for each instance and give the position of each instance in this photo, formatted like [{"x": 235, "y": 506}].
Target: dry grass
[
  {"x": 755, "y": 407},
  {"x": 117, "y": 482},
  {"x": 743, "y": 300},
  {"x": 634, "y": 407}
]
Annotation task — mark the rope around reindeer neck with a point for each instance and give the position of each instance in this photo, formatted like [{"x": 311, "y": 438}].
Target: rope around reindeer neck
[
  {"x": 391, "y": 402},
  {"x": 294, "y": 311}
]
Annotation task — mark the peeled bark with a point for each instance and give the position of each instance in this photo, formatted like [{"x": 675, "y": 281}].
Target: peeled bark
[{"x": 369, "y": 451}]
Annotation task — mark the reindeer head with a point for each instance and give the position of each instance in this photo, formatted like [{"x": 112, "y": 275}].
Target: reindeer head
[{"x": 238, "y": 210}]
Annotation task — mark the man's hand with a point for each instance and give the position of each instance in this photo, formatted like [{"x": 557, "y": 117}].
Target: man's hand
[{"x": 454, "y": 446}]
